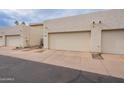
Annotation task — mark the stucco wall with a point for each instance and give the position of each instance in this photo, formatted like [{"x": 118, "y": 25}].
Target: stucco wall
[
  {"x": 14, "y": 30},
  {"x": 107, "y": 19},
  {"x": 11, "y": 30},
  {"x": 111, "y": 19},
  {"x": 36, "y": 33},
  {"x": 31, "y": 35}
]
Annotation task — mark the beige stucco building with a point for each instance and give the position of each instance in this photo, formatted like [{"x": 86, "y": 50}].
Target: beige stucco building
[
  {"x": 21, "y": 35},
  {"x": 99, "y": 32}
]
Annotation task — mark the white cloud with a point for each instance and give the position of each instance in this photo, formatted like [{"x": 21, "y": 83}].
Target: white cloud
[
  {"x": 39, "y": 15},
  {"x": 20, "y": 15}
]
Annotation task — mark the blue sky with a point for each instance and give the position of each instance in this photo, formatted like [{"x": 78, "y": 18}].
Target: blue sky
[{"x": 8, "y": 17}]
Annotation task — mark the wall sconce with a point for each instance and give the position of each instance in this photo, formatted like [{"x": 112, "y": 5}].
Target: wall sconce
[
  {"x": 100, "y": 22},
  {"x": 93, "y": 23}
]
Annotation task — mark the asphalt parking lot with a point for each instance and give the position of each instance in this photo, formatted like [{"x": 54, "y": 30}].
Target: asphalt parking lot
[{"x": 15, "y": 70}]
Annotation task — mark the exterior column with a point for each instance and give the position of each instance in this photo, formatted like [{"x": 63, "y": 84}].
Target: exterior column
[
  {"x": 96, "y": 32},
  {"x": 22, "y": 30},
  {"x": 45, "y": 38}
]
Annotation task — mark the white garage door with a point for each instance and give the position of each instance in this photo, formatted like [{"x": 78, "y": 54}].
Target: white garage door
[
  {"x": 13, "y": 40},
  {"x": 1, "y": 41},
  {"x": 113, "y": 42},
  {"x": 75, "y": 41}
]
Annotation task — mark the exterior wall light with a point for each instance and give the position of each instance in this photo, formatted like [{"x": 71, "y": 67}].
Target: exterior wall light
[
  {"x": 100, "y": 22},
  {"x": 93, "y": 23}
]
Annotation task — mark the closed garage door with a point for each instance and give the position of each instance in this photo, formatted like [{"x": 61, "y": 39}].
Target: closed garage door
[
  {"x": 13, "y": 40},
  {"x": 113, "y": 41},
  {"x": 75, "y": 41},
  {"x": 1, "y": 41}
]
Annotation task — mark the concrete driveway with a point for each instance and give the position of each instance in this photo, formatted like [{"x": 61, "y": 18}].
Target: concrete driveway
[
  {"x": 15, "y": 70},
  {"x": 18, "y": 70},
  {"x": 39, "y": 65}
]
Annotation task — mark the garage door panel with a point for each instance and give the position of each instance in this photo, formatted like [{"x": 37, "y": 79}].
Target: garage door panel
[
  {"x": 13, "y": 40},
  {"x": 1, "y": 41},
  {"x": 78, "y": 41},
  {"x": 112, "y": 41}
]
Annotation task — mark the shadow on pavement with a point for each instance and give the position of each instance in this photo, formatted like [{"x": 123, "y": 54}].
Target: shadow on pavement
[{"x": 15, "y": 70}]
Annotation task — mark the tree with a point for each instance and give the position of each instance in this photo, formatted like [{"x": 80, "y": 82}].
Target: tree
[
  {"x": 23, "y": 23},
  {"x": 16, "y": 22}
]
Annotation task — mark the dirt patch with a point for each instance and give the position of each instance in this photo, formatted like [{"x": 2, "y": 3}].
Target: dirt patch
[{"x": 97, "y": 56}]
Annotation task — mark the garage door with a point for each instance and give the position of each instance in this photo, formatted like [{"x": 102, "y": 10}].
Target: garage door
[
  {"x": 13, "y": 40},
  {"x": 75, "y": 41},
  {"x": 113, "y": 41},
  {"x": 1, "y": 41}
]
